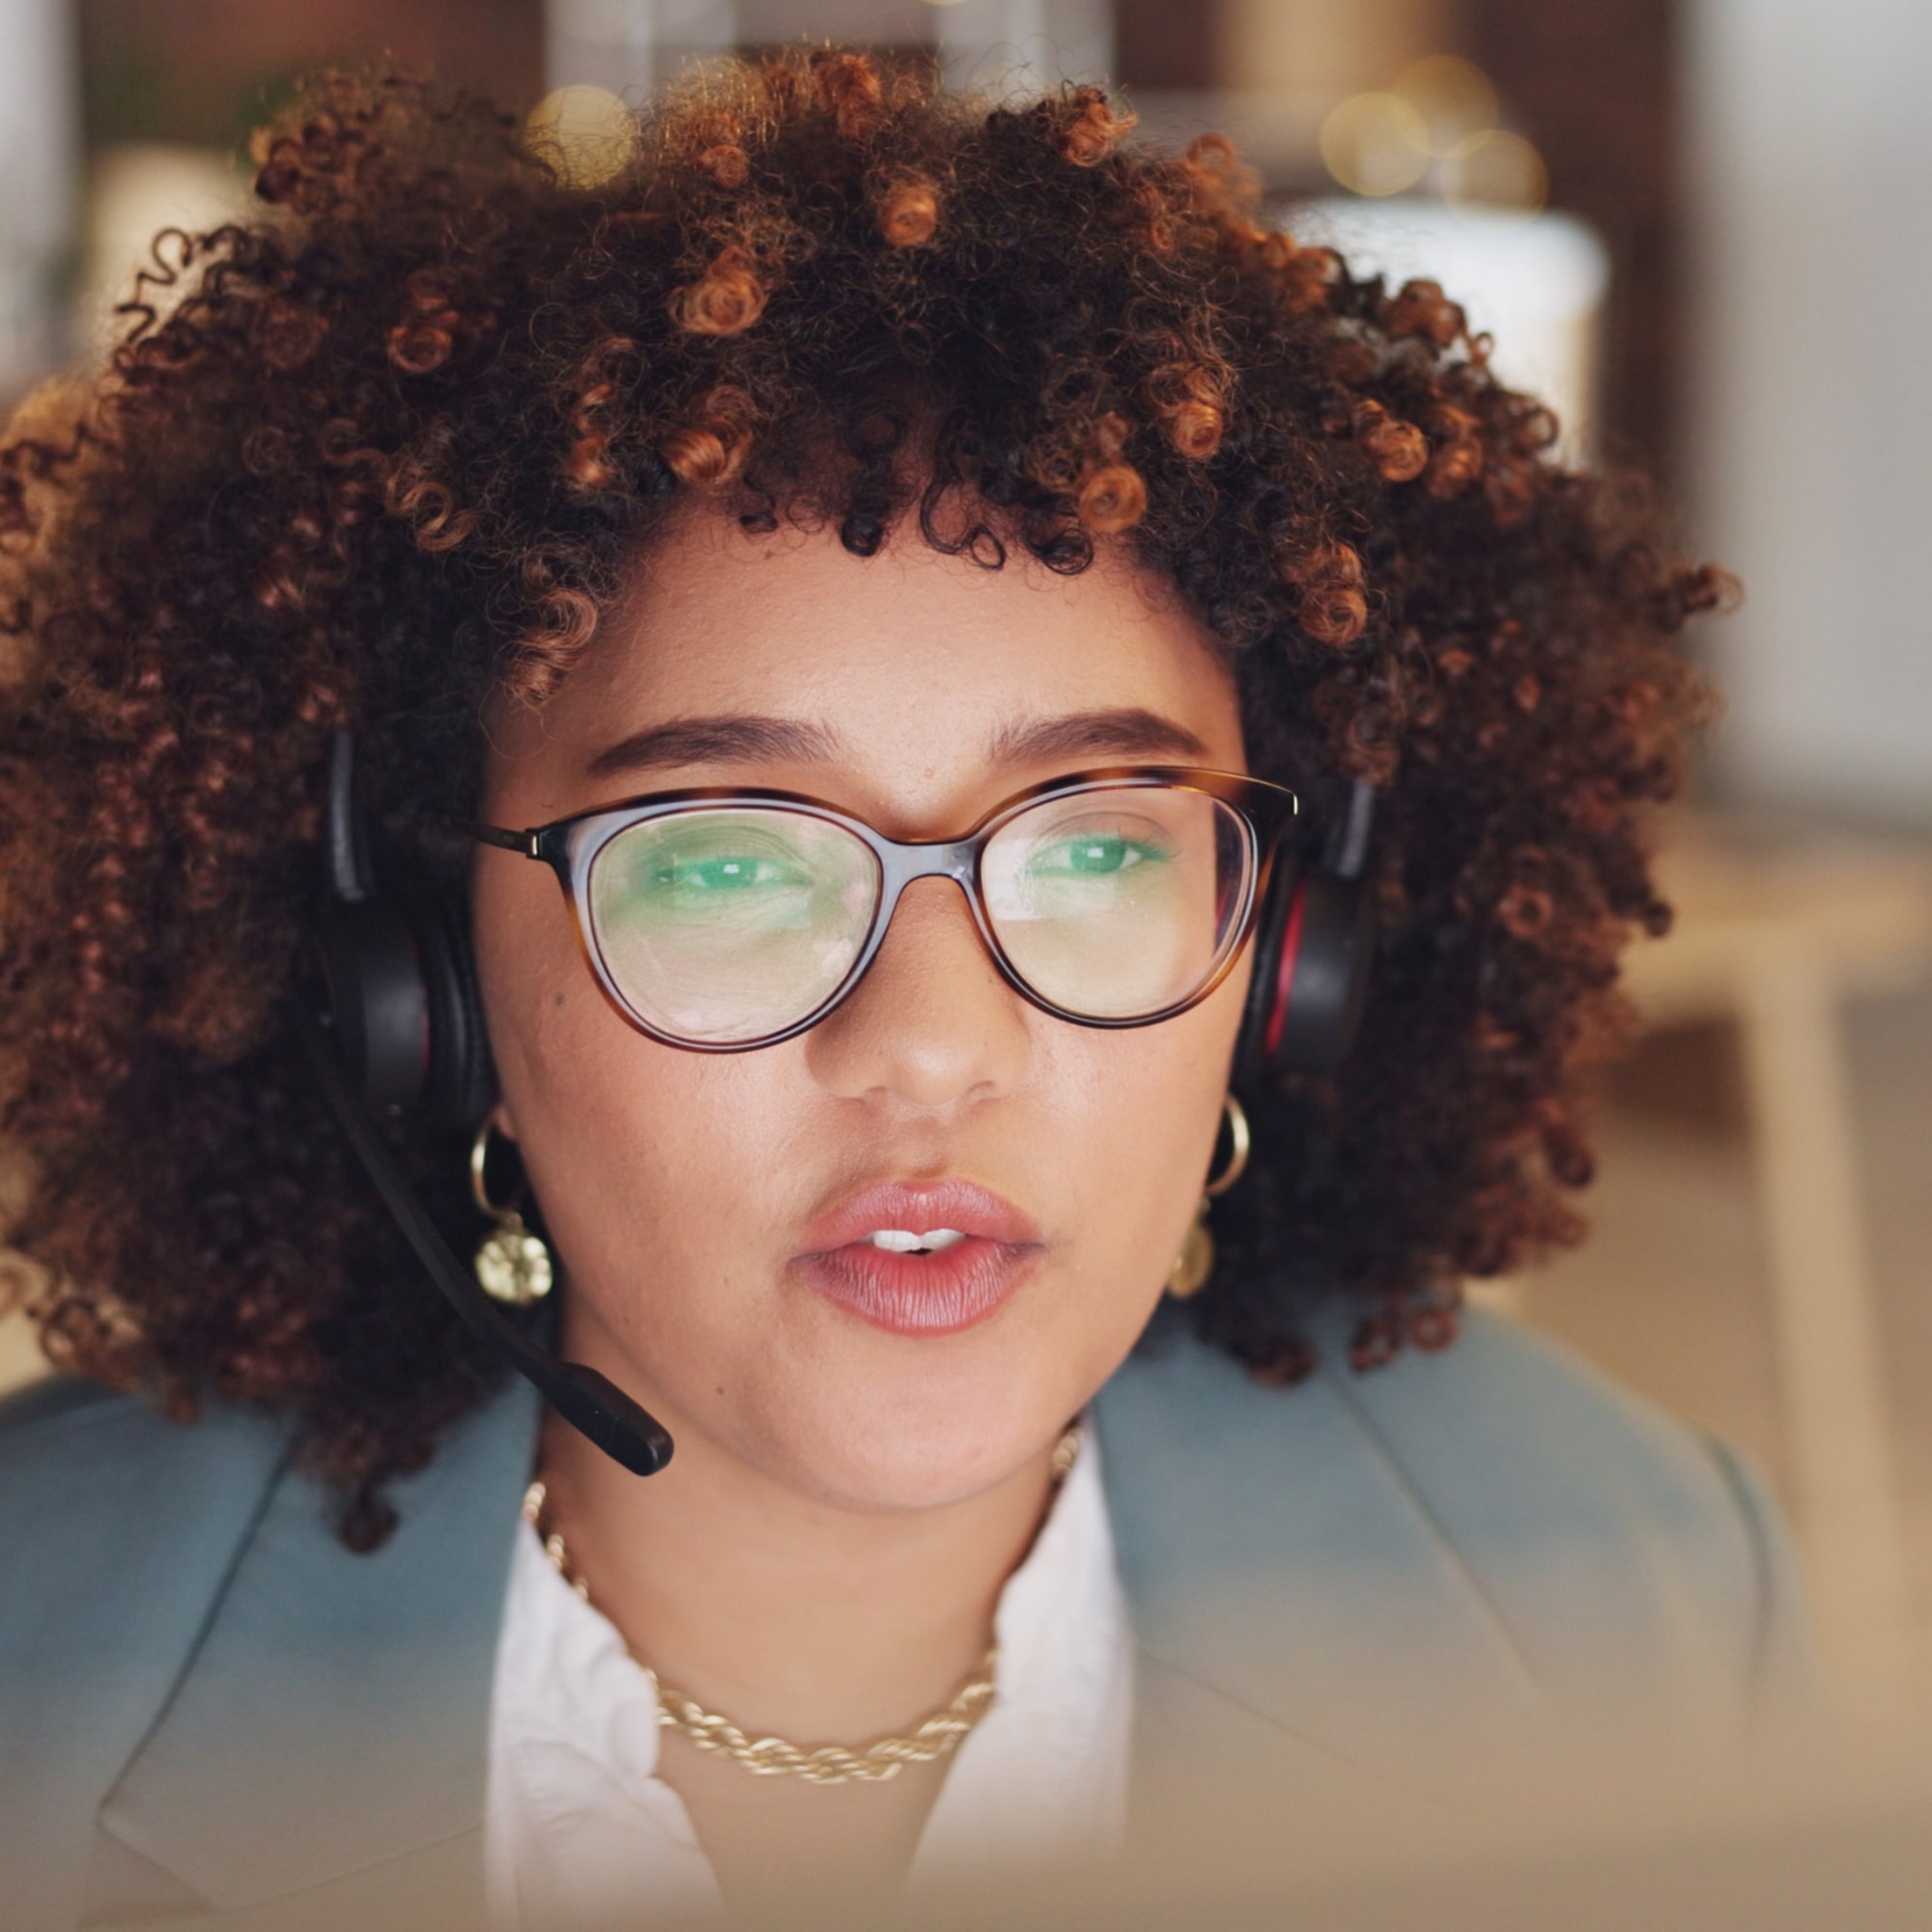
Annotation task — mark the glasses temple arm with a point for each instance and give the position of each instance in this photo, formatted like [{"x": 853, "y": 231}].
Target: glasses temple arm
[{"x": 524, "y": 842}]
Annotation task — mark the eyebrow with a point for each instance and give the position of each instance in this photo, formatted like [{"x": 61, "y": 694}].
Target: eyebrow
[
  {"x": 1124, "y": 732},
  {"x": 708, "y": 741}
]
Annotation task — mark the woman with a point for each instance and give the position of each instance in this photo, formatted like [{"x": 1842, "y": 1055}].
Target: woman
[{"x": 1009, "y": 660}]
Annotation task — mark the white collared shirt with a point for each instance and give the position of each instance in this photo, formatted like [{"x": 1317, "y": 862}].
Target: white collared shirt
[{"x": 578, "y": 1824}]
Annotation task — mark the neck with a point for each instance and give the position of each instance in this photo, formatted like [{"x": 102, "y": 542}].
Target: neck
[{"x": 787, "y": 1614}]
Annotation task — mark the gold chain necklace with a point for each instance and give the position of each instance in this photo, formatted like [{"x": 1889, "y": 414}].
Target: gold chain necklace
[{"x": 936, "y": 1737}]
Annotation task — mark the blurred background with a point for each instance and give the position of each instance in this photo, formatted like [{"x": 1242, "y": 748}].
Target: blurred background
[{"x": 1690, "y": 224}]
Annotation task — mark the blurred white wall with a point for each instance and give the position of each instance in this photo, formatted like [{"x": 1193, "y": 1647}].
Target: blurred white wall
[
  {"x": 39, "y": 151},
  {"x": 1810, "y": 393},
  {"x": 1534, "y": 282},
  {"x": 134, "y": 191},
  {"x": 1023, "y": 45},
  {"x": 631, "y": 45}
]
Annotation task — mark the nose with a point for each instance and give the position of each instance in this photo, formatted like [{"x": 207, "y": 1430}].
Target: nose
[{"x": 932, "y": 1023}]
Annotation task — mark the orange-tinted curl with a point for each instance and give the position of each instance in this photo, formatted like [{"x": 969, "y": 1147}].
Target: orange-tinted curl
[
  {"x": 1332, "y": 607},
  {"x": 710, "y": 449},
  {"x": 1303, "y": 274},
  {"x": 1459, "y": 459},
  {"x": 1420, "y": 308},
  {"x": 1092, "y": 130},
  {"x": 425, "y": 339},
  {"x": 1221, "y": 183},
  {"x": 601, "y": 379},
  {"x": 1158, "y": 227},
  {"x": 1399, "y": 450},
  {"x": 850, "y": 86},
  {"x": 726, "y": 299},
  {"x": 1189, "y": 398},
  {"x": 290, "y": 332},
  {"x": 1526, "y": 911},
  {"x": 1195, "y": 429},
  {"x": 909, "y": 212},
  {"x": 728, "y": 166},
  {"x": 423, "y": 345},
  {"x": 715, "y": 144},
  {"x": 584, "y": 467},
  {"x": 1113, "y": 498},
  {"x": 429, "y": 506},
  {"x": 548, "y": 649}
]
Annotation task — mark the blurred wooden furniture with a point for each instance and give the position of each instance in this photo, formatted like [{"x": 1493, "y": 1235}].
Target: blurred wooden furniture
[{"x": 1774, "y": 935}]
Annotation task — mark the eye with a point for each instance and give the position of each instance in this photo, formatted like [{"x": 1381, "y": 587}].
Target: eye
[
  {"x": 1096, "y": 850},
  {"x": 1090, "y": 854},
  {"x": 717, "y": 858},
  {"x": 723, "y": 872}
]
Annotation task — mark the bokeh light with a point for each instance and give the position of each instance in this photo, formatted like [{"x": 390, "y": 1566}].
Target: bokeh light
[
  {"x": 1453, "y": 96},
  {"x": 1375, "y": 144},
  {"x": 585, "y": 134},
  {"x": 1495, "y": 171}
]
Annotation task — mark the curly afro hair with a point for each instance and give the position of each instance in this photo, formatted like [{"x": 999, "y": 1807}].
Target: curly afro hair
[{"x": 381, "y": 457}]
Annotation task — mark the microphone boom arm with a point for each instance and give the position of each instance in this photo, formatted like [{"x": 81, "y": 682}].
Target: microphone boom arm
[{"x": 587, "y": 1401}]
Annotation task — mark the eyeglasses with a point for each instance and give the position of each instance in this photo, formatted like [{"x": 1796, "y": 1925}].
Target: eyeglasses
[{"x": 723, "y": 919}]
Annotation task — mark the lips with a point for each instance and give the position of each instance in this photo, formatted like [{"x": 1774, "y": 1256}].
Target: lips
[
  {"x": 936, "y": 1293},
  {"x": 921, "y": 1206}
]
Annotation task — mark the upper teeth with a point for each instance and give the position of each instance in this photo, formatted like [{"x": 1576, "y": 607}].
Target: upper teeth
[{"x": 899, "y": 1241}]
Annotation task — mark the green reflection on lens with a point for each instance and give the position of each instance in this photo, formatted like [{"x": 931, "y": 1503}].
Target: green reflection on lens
[
  {"x": 1095, "y": 856},
  {"x": 725, "y": 924},
  {"x": 1112, "y": 903}
]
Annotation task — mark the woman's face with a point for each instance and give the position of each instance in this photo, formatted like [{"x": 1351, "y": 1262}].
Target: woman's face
[{"x": 690, "y": 1195}]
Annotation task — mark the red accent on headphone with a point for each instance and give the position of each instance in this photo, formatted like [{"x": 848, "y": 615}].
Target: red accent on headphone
[{"x": 1291, "y": 949}]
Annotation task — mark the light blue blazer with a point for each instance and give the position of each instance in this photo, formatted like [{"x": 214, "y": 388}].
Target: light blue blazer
[{"x": 211, "y": 1714}]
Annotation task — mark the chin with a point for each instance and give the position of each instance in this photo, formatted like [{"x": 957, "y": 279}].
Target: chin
[{"x": 926, "y": 1423}]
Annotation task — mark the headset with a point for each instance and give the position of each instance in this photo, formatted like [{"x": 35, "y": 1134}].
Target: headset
[
  {"x": 1314, "y": 947},
  {"x": 393, "y": 1023},
  {"x": 392, "y": 1018}
]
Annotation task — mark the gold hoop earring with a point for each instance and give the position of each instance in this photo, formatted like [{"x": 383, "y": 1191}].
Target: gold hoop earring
[
  {"x": 512, "y": 1264},
  {"x": 1240, "y": 1142},
  {"x": 1195, "y": 1262}
]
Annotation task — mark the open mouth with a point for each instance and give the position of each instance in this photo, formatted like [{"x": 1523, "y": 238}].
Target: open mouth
[
  {"x": 922, "y": 1258},
  {"x": 903, "y": 1242},
  {"x": 941, "y": 1282}
]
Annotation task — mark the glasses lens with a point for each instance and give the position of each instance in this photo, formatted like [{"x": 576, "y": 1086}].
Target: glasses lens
[
  {"x": 723, "y": 925},
  {"x": 1120, "y": 901}
]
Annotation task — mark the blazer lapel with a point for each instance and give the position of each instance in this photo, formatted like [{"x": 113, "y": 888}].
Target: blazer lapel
[
  {"x": 1281, "y": 1568},
  {"x": 334, "y": 1722}
]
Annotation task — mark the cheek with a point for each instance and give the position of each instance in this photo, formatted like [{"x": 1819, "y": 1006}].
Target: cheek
[
  {"x": 531, "y": 978},
  {"x": 623, "y": 1139},
  {"x": 1140, "y": 1139},
  {"x": 654, "y": 1168},
  {"x": 577, "y": 1083},
  {"x": 647, "y": 1162}
]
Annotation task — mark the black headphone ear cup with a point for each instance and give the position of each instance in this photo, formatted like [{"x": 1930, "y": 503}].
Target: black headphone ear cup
[
  {"x": 403, "y": 1007},
  {"x": 1265, "y": 990},
  {"x": 376, "y": 1003},
  {"x": 459, "y": 1082},
  {"x": 1321, "y": 980}
]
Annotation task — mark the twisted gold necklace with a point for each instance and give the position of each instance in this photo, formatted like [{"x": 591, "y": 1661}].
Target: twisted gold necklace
[{"x": 936, "y": 1737}]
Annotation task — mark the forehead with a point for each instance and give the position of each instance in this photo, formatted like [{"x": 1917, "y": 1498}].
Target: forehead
[{"x": 909, "y": 657}]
